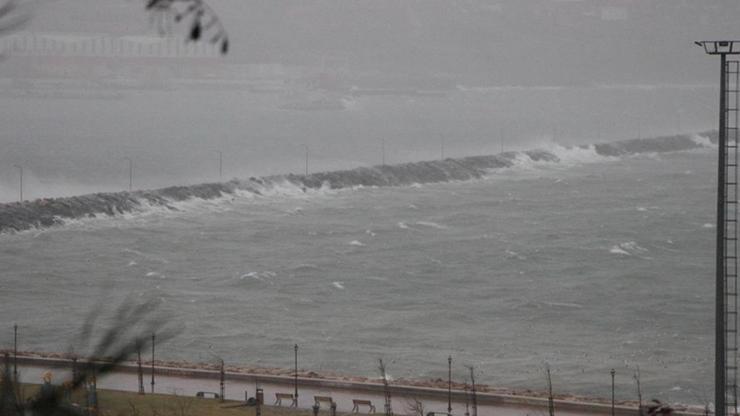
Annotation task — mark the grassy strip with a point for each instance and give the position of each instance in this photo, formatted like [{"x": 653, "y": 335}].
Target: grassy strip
[{"x": 121, "y": 403}]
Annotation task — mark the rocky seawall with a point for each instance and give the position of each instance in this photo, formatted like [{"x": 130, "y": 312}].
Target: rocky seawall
[{"x": 48, "y": 212}]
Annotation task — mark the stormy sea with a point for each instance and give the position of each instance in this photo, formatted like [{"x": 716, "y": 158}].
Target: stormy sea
[{"x": 583, "y": 258}]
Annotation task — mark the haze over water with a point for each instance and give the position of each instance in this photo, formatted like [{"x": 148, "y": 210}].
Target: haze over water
[{"x": 72, "y": 145}]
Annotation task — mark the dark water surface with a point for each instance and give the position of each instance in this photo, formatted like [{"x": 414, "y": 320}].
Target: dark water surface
[{"x": 590, "y": 264}]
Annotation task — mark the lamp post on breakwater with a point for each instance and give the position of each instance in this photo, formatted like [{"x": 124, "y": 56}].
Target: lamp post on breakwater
[
  {"x": 501, "y": 138},
  {"x": 20, "y": 189},
  {"x": 726, "y": 303},
  {"x": 305, "y": 147},
  {"x": 382, "y": 152},
  {"x": 220, "y": 165},
  {"x": 130, "y": 173}
]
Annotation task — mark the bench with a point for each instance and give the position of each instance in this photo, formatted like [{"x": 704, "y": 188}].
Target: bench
[
  {"x": 280, "y": 396},
  {"x": 357, "y": 403},
  {"x": 205, "y": 394},
  {"x": 325, "y": 399}
]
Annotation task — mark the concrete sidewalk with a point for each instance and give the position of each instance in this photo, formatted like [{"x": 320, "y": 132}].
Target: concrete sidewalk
[{"x": 185, "y": 381}]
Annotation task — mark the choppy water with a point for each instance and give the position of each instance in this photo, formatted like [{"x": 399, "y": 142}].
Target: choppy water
[{"x": 590, "y": 264}]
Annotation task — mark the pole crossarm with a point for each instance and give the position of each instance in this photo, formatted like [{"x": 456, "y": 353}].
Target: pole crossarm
[{"x": 720, "y": 47}]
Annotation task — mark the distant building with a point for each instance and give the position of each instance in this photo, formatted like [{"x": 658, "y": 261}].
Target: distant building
[{"x": 104, "y": 45}]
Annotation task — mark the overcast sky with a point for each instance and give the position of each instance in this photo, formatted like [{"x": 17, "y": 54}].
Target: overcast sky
[{"x": 491, "y": 41}]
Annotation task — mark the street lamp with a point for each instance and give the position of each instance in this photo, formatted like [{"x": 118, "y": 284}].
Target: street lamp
[
  {"x": 20, "y": 169},
  {"x": 502, "y": 138},
  {"x": 306, "y": 148},
  {"x": 152, "y": 362},
  {"x": 220, "y": 164},
  {"x": 15, "y": 352},
  {"x": 140, "y": 370},
  {"x": 222, "y": 374},
  {"x": 295, "y": 376},
  {"x": 612, "y": 373},
  {"x": 382, "y": 151},
  {"x": 724, "y": 329},
  {"x": 449, "y": 384},
  {"x": 130, "y": 173}
]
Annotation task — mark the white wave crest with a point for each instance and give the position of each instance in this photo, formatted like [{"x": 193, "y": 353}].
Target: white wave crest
[
  {"x": 630, "y": 248},
  {"x": 572, "y": 155},
  {"x": 703, "y": 141},
  {"x": 259, "y": 275},
  {"x": 514, "y": 255},
  {"x": 431, "y": 224}
]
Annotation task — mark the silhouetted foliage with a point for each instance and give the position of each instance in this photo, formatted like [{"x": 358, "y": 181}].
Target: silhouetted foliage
[
  {"x": 415, "y": 407},
  {"x": 203, "y": 20},
  {"x": 658, "y": 408},
  {"x": 130, "y": 330},
  {"x": 13, "y": 15}
]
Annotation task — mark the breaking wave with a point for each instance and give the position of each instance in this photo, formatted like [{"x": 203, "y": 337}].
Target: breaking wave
[{"x": 47, "y": 212}]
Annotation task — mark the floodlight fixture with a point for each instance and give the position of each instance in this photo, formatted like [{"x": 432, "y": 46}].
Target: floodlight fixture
[{"x": 720, "y": 47}]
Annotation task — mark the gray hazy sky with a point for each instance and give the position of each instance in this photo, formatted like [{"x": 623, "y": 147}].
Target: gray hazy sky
[{"x": 487, "y": 41}]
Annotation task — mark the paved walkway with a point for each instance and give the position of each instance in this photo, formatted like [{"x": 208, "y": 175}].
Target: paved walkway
[{"x": 236, "y": 389}]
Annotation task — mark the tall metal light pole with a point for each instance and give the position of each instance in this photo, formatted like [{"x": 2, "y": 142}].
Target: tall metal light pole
[
  {"x": 20, "y": 190},
  {"x": 449, "y": 384},
  {"x": 725, "y": 353},
  {"x": 295, "y": 376},
  {"x": 130, "y": 173}
]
